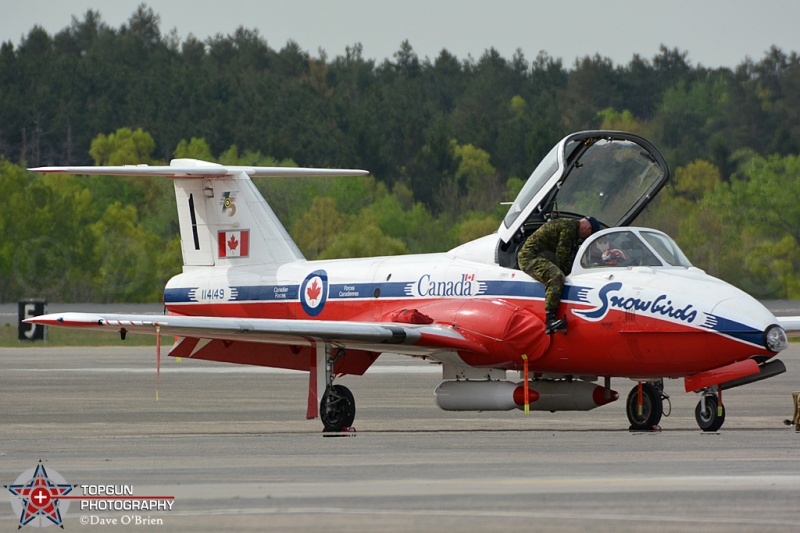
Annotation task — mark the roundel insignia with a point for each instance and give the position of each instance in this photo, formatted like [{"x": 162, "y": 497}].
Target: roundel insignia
[{"x": 314, "y": 292}]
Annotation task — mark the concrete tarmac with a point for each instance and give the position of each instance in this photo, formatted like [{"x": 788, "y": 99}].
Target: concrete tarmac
[{"x": 232, "y": 445}]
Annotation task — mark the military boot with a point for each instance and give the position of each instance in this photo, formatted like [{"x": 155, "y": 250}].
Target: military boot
[{"x": 553, "y": 324}]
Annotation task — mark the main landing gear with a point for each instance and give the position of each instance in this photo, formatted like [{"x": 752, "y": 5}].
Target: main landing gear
[
  {"x": 645, "y": 406},
  {"x": 337, "y": 408}
]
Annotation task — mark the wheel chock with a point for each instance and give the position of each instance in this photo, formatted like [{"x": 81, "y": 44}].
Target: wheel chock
[
  {"x": 651, "y": 429},
  {"x": 346, "y": 432}
]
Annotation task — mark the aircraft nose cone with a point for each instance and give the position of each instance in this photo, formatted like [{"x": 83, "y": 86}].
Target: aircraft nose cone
[{"x": 742, "y": 317}]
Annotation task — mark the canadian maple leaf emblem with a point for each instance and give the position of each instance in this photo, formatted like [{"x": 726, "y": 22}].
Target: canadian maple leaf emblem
[
  {"x": 314, "y": 290},
  {"x": 232, "y": 242}
]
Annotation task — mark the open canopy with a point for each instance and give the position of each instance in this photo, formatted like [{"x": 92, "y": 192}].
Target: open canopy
[{"x": 609, "y": 175}]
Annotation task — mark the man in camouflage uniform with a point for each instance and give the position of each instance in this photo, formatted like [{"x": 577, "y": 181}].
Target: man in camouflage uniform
[{"x": 547, "y": 256}]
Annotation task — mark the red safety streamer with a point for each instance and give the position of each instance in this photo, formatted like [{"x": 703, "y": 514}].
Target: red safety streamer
[
  {"x": 158, "y": 357},
  {"x": 525, "y": 386}
]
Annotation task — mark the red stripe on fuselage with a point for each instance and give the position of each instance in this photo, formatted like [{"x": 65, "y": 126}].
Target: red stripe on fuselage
[{"x": 618, "y": 345}]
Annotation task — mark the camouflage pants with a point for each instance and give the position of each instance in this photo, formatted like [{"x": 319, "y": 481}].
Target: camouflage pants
[{"x": 548, "y": 273}]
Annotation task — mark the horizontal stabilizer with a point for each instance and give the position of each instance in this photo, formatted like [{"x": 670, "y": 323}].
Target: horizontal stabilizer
[{"x": 194, "y": 168}]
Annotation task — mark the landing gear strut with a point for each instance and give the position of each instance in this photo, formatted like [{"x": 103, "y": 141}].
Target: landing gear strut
[
  {"x": 644, "y": 407},
  {"x": 337, "y": 408}
]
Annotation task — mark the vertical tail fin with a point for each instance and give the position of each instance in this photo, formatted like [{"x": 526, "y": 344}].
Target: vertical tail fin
[
  {"x": 226, "y": 221},
  {"x": 223, "y": 218}
]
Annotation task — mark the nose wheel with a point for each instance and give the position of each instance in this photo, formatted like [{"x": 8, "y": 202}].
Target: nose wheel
[{"x": 709, "y": 413}]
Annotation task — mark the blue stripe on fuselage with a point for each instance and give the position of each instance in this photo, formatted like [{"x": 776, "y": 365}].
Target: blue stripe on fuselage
[
  {"x": 398, "y": 290},
  {"x": 395, "y": 289},
  {"x": 737, "y": 330}
]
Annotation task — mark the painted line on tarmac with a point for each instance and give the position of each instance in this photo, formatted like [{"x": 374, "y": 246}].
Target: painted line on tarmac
[{"x": 498, "y": 514}]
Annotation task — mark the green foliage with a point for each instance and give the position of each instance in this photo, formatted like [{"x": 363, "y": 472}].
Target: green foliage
[
  {"x": 475, "y": 185},
  {"x": 194, "y": 149},
  {"x": 446, "y": 140},
  {"x": 475, "y": 228},
  {"x": 71, "y": 239},
  {"x": 746, "y": 231},
  {"x": 773, "y": 266},
  {"x": 689, "y": 186},
  {"x": 611, "y": 119},
  {"x": 696, "y": 179},
  {"x": 319, "y": 226},
  {"x": 400, "y": 217},
  {"x": 123, "y": 256},
  {"x": 513, "y": 187},
  {"x": 125, "y": 147},
  {"x": 394, "y": 116},
  {"x": 382, "y": 227},
  {"x": 362, "y": 239},
  {"x": 45, "y": 237}
]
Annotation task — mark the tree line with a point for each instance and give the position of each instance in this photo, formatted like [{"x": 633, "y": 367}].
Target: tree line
[{"x": 446, "y": 140}]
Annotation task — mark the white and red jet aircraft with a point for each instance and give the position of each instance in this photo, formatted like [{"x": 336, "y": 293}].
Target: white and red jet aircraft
[{"x": 636, "y": 307}]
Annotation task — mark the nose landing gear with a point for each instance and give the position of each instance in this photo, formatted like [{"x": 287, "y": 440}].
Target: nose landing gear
[{"x": 709, "y": 413}]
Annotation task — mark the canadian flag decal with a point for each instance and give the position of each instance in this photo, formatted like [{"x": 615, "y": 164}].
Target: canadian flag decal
[{"x": 234, "y": 243}]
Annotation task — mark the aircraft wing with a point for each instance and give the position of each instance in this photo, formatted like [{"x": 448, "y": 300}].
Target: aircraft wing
[
  {"x": 790, "y": 324},
  {"x": 411, "y": 339}
]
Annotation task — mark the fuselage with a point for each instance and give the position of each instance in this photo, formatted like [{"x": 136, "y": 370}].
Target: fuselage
[{"x": 629, "y": 321}]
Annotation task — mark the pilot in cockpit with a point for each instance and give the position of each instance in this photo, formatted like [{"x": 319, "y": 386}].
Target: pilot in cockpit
[
  {"x": 618, "y": 249},
  {"x": 603, "y": 253}
]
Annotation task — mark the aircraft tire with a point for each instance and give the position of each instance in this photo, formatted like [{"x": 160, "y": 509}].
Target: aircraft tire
[
  {"x": 710, "y": 420},
  {"x": 652, "y": 408},
  {"x": 337, "y": 409}
]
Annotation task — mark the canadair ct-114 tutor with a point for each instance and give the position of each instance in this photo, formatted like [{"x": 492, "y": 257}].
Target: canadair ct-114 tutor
[{"x": 247, "y": 295}]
